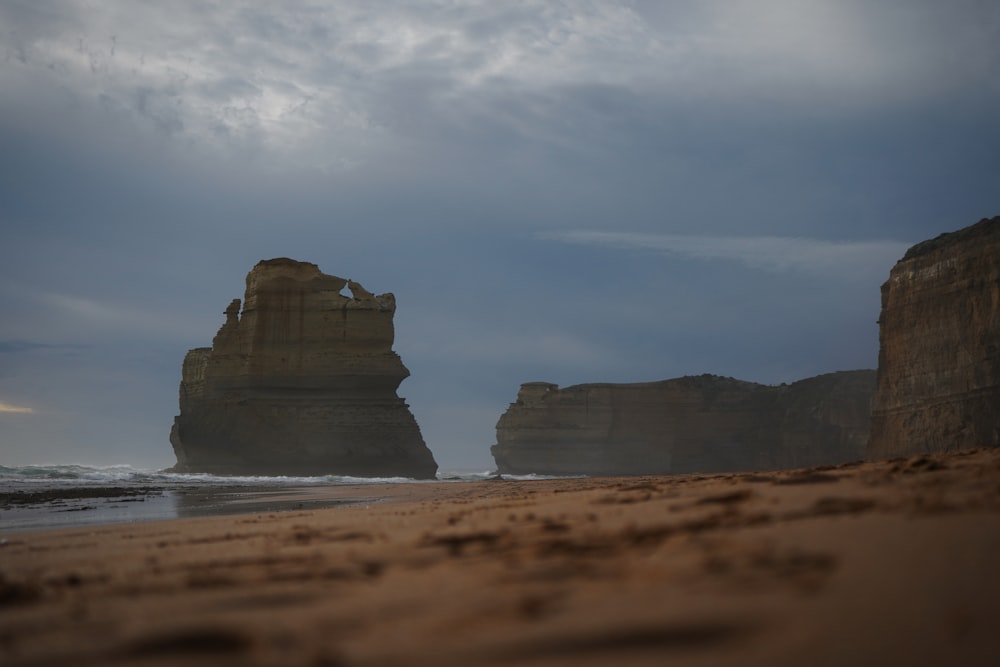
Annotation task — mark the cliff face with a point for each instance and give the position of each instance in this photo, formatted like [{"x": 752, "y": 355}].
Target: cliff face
[
  {"x": 939, "y": 357},
  {"x": 690, "y": 424},
  {"x": 301, "y": 382}
]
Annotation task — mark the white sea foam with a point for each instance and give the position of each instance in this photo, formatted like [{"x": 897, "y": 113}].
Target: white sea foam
[
  {"x": 72, "y": 475},
  {"x": 54, "y": 476},
  {"x": 138, "y": 494}
]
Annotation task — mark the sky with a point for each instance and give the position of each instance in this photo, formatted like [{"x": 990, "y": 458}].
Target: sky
[{"x": 576, "y": 191}]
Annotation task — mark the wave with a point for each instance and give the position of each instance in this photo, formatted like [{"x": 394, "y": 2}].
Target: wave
[
  {"x": 68, "y": 472},
  {"x": 59, "y": 475},
  {"x": 78, "y": 474}
]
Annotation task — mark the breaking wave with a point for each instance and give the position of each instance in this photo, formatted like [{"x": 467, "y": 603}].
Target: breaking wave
[{"x": 35, "y": 476}]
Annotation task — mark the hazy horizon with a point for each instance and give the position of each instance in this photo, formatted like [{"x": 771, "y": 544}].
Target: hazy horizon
[{"x": 582, "y": 192}]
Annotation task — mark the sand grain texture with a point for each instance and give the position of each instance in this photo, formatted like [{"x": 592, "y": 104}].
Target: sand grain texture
[{"x": 876, "y": 563}]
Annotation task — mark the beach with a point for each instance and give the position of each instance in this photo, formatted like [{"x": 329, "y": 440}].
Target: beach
[{"x": 889, "y": 562}]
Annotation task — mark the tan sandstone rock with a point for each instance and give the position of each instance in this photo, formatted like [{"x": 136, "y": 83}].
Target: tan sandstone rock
[
  {"x": 691, "y": 424},
  {"x": 939, "y": 358},
  {"x": 301, "y": 382}
]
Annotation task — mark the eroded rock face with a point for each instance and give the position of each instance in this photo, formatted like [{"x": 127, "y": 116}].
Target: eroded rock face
[
  {"x": 939, "y": 357},
  {"x": 691, "y": 424},
  {"x": 301, "y": 382}
]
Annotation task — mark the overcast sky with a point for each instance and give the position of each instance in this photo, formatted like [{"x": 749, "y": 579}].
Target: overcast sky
[{"x": 570, "y": 192}]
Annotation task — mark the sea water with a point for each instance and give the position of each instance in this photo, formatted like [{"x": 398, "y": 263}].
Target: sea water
[{"x": 58, "y": 496}]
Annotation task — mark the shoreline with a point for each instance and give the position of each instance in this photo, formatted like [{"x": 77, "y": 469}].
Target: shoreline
[
  {"x": 68, "y": 508},
  {"x": 870, "y": 563},
  {"x": 27, "y": 509}
]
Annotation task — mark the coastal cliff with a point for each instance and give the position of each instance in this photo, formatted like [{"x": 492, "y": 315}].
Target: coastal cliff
[
  {"x": 939, "y": 357},
  {"x": 302, "y": 381},
  {"x": 701, "y": 423}
]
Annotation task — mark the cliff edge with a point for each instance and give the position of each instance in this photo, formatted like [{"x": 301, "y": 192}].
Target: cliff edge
[
  {"x": 701, "y": 423},
  {"x": 301, "y": 381},
  {"x": 939, "y": 347}
]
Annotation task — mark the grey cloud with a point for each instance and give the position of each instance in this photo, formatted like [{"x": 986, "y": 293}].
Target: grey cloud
[
  {"x": 336, "y": 66},
  {"x": 82, "y": 320},
  {"x": 229, "y": 89},
  {"x": 16, "y": 346},
  {"x": 843, "y": 260}
]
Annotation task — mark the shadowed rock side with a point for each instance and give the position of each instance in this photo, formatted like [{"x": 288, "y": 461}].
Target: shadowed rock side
[
  {"x": 939, "y": 357},
  {"x": 690, "y": 424},
  {"x": 302, "y": 382}
]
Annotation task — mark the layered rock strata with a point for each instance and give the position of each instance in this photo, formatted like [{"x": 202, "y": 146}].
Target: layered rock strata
[
  {"x": 302, "y": 381},
  {"x": 939, "y": 356},
  {"x": 691, "y": 424}
]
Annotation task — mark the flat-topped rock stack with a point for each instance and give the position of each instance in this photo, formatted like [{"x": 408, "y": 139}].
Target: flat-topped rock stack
[
  {"x": 701, "y": 423},
  {"x": 939, "y": 358},
  {"x": 302, "y": 381}
]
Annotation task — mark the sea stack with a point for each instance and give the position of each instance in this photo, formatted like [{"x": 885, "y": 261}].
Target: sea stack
[
  {"x": 703, "y": 423},
  {"x": 301, "y": 381},
  {"x": 939, "y": 358}
]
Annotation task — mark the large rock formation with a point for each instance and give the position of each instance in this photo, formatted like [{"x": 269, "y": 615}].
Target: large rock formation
[
  {"x": 302, "y": 382},
  {"x": 939, "y": 358},
  {"x": 691, "y": 424}
]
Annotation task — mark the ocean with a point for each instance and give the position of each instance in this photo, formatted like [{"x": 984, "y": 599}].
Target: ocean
[{"x": 59, "y": 496}]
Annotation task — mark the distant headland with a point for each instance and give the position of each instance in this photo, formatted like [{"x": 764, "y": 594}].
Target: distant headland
[{"x": 936, "y": 390}]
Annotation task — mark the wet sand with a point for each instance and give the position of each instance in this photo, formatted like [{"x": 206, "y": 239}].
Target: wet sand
[
  {"x": 97, "y": 505},
  {"x": 879, "y": 563}
]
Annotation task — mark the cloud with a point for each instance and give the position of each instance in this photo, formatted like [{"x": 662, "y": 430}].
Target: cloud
[
  {"x": 305, "y": 81},
  {"x": 480, "y": 341},
  {"x": 765, "y": 253},
  {"x": 16, "y": 346},
  {"x": 15, "y": 409},
  {"x": 85, "y": 319},
  {"x": 334, "y": 86}
]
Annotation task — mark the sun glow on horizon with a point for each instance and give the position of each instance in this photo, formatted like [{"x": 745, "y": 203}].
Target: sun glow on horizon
[{"x": 7, "y": 407}]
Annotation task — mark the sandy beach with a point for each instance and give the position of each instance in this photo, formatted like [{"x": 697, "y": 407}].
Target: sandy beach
[{"x": 877, "y": 563}]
